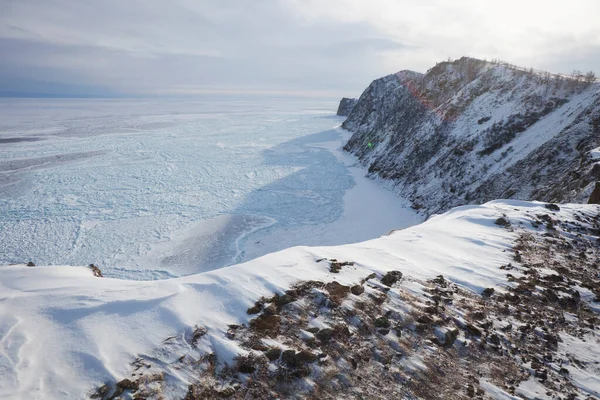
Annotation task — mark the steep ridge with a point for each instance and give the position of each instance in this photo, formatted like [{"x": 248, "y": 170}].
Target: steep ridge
[{"x": 471, "y": 131}]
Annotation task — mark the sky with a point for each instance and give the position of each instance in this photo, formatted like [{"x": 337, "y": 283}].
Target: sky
[{"x": 295, "y": 47}]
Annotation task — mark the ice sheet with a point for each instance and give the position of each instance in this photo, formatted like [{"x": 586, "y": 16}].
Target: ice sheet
[{"x": 150, "y": 190}]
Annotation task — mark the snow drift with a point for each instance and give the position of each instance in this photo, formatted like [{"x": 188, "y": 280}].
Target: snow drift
[{"x": 63, "y": 331}]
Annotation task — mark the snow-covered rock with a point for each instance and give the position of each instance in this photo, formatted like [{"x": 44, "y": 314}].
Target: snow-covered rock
[
  {"x": 471, "y": 131},
  {"x": 64, "y": 332}
]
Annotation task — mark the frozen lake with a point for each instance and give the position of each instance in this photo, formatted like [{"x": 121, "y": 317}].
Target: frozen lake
[{"x": 153, "y": 189}]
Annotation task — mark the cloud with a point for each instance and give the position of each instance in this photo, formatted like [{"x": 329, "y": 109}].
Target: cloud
[{"x": 158, "y": 47}]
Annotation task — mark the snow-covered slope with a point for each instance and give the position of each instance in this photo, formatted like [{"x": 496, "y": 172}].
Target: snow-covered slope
[
  {"x": 65, "y": 332},
  {"x": 470, "y": 131}
]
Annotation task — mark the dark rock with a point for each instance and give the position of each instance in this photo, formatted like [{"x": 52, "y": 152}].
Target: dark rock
[
  {"x": 346, "y": 106},
  {"x": 337, "y": 292},
  {"x": 305, "y": 357},
  {"x": 502, "y": 222},
  {"x": 488, "y": 292},
  {"x": 424, "y": 319},
  {"x": 231, "y": 329},
  {"x": 127, "y": 384},
  {"x": 324, "y": 335},
  {"x": 96, "y": 271},
  {"x": 431, "y": 309},
  {"x": 494, "y": 339},
  {"x": 554, "y": 278},
  {"x": 255, "y": 309},
  {"x": 470, "y": 390},
  {"x": 341, "y": 332},
  {"x": 473, "y": 330},
  {"x": 541, "y": 374},
  {"x": 266, "y": 325},
  {"x": 336, "y": 266},
  {"x": 357, "y": 290},
  {"x": 259, "y": 346},
  {"x": 552, "y": 207},
  {"x": 270, "y": 310},
  {"x": 391, "y": 278},
  {"x": 450, "y": 337},
  {"x": 478, "y": 315},
  {"x": 382, "y": 322},
  {"x": 30, "y": 264},
  {"x": 245, "y": 365},
  {"x": 572, "y": 301},
  {"x": 289, "y": 357},
  {"x": 288, "y": 297}
]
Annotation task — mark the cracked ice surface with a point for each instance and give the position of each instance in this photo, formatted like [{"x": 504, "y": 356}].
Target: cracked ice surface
[{"x": 148, "y": 189}]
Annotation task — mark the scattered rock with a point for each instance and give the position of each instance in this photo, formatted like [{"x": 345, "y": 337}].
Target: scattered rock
[
  {"x": 357, "y": 290},
  {"x": 336, "y": 266},
  {"x": 473, "y": 330},
  {"x": 246, "y": 364},
  {"x": 382, "y": 322},
  {"x": 391, "y": 278},
  {"x": 450, "y": 337},
  {"x": 324, "y": 335},
  {"x": 96, "y": 271},
  {"x": 270, "y": 310},
  {"x": 289, "y": 357},
  {"x": 502, "y": 222},
  {"x": 288, "y": 297},
  {"x": 255, "y": 309},
  {"x": 305, "y": 357},
  {"x": 127, "y": 384},
  {"x": 494, "y": 339},
  {"x": 266, "y": 325},
  {"x": 337, "y": 292},
  {"x": 273, "y": 353}
]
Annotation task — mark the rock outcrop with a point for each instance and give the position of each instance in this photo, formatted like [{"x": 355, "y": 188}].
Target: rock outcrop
[
  {"x": 346, "y": 106},
  {"x": 470, "y": 131}
]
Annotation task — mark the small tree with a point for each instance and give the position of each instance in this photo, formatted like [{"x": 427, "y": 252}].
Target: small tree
[{"x": 590, "y": 77}]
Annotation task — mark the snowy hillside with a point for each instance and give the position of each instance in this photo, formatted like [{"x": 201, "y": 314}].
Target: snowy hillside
[
  {"x": 496, "y": 301},
  {"x": 471, "y": 131}
]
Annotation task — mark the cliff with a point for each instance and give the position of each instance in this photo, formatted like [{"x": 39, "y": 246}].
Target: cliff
[{"x": 470, "y": 131}]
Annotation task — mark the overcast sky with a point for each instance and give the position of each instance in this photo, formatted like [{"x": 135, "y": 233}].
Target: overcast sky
[{"x": 310, "y": 47}]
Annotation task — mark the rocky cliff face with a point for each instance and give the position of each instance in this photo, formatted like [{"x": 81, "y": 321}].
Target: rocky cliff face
[
  {"x": 470, "y": 131},
  {"x": 346, "y": 106}
]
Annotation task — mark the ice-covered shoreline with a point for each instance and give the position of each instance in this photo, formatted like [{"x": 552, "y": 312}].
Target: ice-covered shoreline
[{"x": 151, "y": 193}]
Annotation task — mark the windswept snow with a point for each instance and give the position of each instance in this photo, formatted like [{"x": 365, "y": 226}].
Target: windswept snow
[{"x": 64, "y": 330}]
